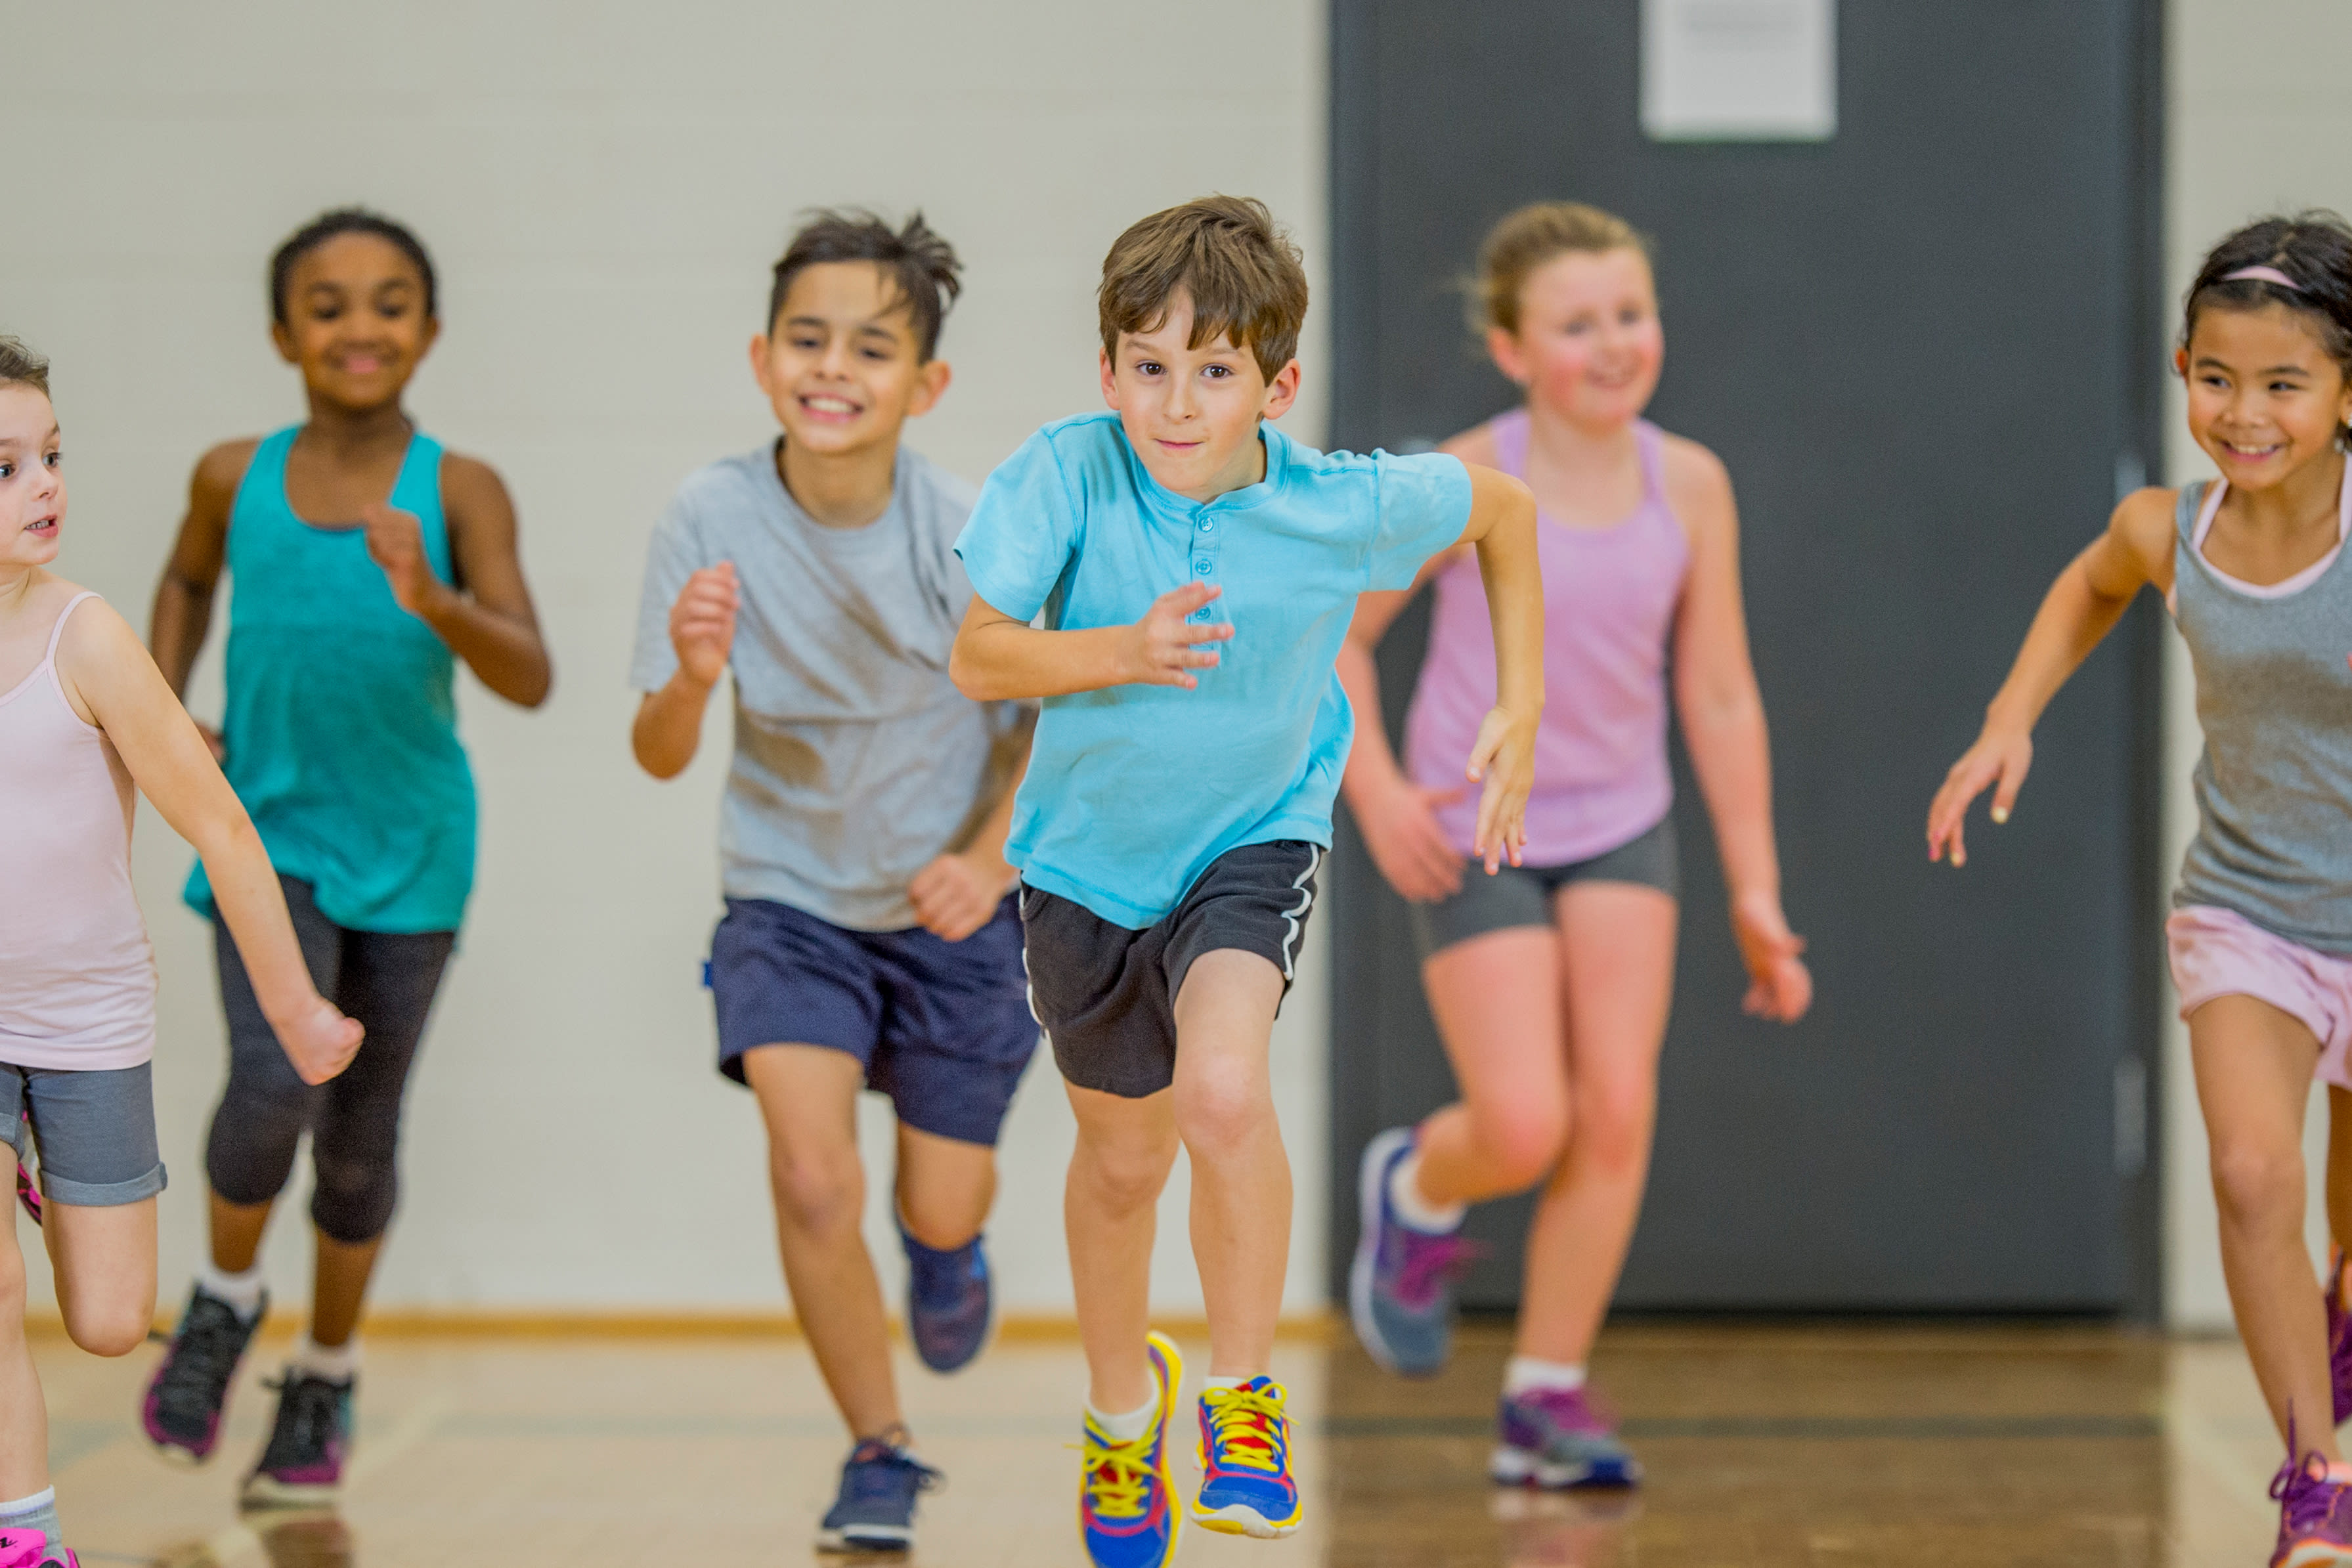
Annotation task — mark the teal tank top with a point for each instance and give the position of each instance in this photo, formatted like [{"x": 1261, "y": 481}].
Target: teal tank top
[{"x": 341, "y": 722}]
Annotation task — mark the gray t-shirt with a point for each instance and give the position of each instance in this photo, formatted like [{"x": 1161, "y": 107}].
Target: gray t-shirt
[{"x": 857, "y": 761}]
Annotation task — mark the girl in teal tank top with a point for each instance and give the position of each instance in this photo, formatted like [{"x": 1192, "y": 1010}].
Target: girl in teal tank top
[{"x": 367, "y": 564}]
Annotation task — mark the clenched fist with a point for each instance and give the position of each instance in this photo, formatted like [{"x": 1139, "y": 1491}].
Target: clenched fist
[{"x": 702, "y": 622}]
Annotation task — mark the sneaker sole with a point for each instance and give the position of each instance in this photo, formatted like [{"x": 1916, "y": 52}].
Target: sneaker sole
[
  {"x": 1371, "y": 1171},
  {"x": 867, "y": 1540},
  {"x": 266, "y": 1492},
  {"x": 2317, "y": 1554},
  {"x": 1518, "y": 1467},
  {"x": 1240, "y": 1518},
  {"x": 180, "y": 1458}
]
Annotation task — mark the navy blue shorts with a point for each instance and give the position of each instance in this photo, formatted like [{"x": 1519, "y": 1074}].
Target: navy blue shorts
[{"x": 941, "y": 1027}]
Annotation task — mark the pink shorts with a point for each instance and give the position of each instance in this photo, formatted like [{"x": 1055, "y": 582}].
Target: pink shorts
[{"x": 2219, "y": 952}]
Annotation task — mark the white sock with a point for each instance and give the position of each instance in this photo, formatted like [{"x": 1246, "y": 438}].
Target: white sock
[
  {"x": 1405, "y": 1194},
  {"x": 241, "y": 1292},
  {"x": 336, "y": 1363},
  {"x": 1228, "y": 1384},
  {"x": 1126, "y": 1428},
  {"x": 38, "y": 1512},
  {"x": 1526, "y": 1375}
]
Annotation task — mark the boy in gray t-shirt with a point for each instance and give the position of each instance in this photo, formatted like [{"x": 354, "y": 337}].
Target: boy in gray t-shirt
[{"x": 870, "y": 940}]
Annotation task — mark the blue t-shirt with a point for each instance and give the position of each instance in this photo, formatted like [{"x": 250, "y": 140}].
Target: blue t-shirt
[{"x": 1134, "y": 790}]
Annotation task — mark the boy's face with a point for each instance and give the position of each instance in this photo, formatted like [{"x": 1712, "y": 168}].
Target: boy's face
[
  {"x": 355, "y": 322},
  {"x": 1192, "y": 414},
  {"x": 32, "y": 479},
  {"x": 842, "y": 366}
]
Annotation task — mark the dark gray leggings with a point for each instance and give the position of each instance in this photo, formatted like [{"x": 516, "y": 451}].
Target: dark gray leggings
[{"x": 387, "y": 982}]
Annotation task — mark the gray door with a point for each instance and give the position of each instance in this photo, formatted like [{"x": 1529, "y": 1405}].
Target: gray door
[{"x": 1930, "y": 351}]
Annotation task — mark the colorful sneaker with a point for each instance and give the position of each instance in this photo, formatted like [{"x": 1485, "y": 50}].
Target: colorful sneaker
[
  {"x": 947, "y": 1302},
  {"x": 1128, "y": 1513},
  {"x": 2340, "y": 1336},
  {"x": 875, "y": 1509},
  {"x": 2314, "y": 1515},
  {"x": 1559, "y": 1437},
  {"x": 182, "y": 1413},
  {"x": 1401, "y": 1286},
  {"x": 22, "y": 1548},
  {"x": 1245, "y": 1483},
  {"x": 303, "y": 1466}
]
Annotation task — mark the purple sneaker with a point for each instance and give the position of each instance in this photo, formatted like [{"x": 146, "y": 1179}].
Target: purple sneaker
[
  {"x": 2314, "y": 1515},
  {"x": 2339, "y": 1338},
  {"x": 1401, "y": 1286},
  {"x": 182, "y": 1413},
  {"x": 1559, "y": 1437},
  {"x": 303, "y": 1466}
]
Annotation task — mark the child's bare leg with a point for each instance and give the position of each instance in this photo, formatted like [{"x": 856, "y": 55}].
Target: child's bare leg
[
  {"x": 236, "y": 1233},
  {"x": 24, "y": 1420},
  {"x": 808, "y": 1097},
  {"x": 104, "y": 1259},
  {"x": 339, "y": 1282},
  {"x": 2253, "y": 1079},
  {"x": 944, "y": 1189},
  {"x": 1240, "y": 1176},
  {"x": 1111, "y": 1208},
  {"x": 1617, "y": 944},
  {"x": 2339, "y": 1168},
  {"x": 1499, "y": 1002}
]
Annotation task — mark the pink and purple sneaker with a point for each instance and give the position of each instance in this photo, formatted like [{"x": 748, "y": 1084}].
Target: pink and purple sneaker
[
  {"x": 185, "y": 1398},
  {"x": 303, "y": 1465},
  {"x": 1401, "y": 1285},
  {"x": 24, "y": 1548},
  {"x": 1555, "y": 1438},
  {"x": 2315, "y": 1516}
]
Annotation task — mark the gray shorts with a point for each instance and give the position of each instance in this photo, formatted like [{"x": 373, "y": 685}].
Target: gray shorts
[
  {"x": 94, "y": 1132},
  {"x": 1522, "y": 895}
]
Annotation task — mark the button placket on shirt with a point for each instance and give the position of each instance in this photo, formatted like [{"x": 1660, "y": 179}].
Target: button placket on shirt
[{"x": 1206, "y": 535}]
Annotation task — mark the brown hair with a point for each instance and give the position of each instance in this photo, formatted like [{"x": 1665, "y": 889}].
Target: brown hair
[
  {"x": 1246, "y": 278},
  {"x": 1528, "y": 238},
  {"x": 20, "y": 366},
  {"x": 916, "y": 261}
]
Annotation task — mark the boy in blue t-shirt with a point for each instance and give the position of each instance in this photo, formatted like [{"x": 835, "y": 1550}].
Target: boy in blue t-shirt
[
  {"x": 870, "y": 938},
  {"x": 1196, "y": 570}
]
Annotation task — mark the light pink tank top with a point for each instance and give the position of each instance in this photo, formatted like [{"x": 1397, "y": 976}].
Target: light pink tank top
[
  {"x": 77, "y": 976},
  {"x": 1610, "y": 598}
]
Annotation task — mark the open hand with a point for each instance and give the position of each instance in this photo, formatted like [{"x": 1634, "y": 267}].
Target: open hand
[
  {"x": 395, "y": 542},
  {"x": 2000, "y": 758},
  {"x": 702, "y": 622},
  {"x": 954, "y": 896},
  {"x": 1503, "y": 758},
  {"x": 1779, "y": 986},
  {"x": 1408, "y": 843},
  {"x": 320, "y": 1041},
  {"x": 1162, "y": 648}
]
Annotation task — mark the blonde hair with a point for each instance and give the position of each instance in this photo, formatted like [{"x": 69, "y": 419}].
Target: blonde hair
[{"x": 1528, "y": 238}]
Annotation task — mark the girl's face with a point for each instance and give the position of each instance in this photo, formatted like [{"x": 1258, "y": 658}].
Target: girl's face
[
  {"x": 32, "y": 479},
  {"x": 1590, "y": 345},
  {"x": 355, "y": 322},
  {"x": 2264, "y": 397}
]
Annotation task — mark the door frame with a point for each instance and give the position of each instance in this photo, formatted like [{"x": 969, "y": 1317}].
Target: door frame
[{"x": 1354, "y": 305}]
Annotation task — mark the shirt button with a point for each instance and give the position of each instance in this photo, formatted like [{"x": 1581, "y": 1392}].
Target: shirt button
[
  {"x": 1208, "y": 525},
  {"x": 1201, "y": 566}
]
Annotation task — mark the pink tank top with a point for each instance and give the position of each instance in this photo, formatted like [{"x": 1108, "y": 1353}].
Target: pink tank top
[
  {"x": 77, "y": 976},
  {"x": 1610, "y": 597}
]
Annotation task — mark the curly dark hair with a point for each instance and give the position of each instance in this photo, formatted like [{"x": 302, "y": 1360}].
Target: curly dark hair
[{"x": 328, "y": 225}]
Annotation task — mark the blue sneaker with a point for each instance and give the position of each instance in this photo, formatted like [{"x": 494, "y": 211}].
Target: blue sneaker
[
  {"x": 1128, "y": 1513},
  {"x": 1246, "y": 1488},
  {"x": 876, "y": 1510},
  {"x": 1401, "y": 1286},
  {"x": 948, "y": 1302},
  {"x": 1555, "y": 1438}
]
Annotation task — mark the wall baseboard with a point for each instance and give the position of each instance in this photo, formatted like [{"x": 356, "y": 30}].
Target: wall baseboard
[{"x": 1317, "y": 1326}]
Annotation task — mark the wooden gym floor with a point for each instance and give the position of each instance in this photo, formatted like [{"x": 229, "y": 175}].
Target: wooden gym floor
[{"x": 1829, "y": 1446}]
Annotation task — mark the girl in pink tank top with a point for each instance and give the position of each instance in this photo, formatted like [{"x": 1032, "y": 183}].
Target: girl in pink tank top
[
  {"x": 85, "y": 721},
  {"x": 1550, "y": 981}
]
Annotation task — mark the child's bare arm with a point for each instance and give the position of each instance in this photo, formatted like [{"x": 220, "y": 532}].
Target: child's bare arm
[
  {"x": 182, "y": 613},
  {"x": 1503, "y": 527},
  {"x": 999, "y": 659},
  {"x": 486, "y": 617},
  {"x": 112, "y": 682},
  {"x": 668, "y": 728},
  {"x": 958, "y": 892},
  {"x": 2089, "y": 597},
  {"x": 1398, "y": 817}
]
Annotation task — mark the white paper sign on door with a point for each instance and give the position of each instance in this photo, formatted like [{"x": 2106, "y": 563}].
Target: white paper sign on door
[{"x": 1739, "y": 71}]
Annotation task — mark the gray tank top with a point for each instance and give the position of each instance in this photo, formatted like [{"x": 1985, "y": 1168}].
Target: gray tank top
[{"x": 2275, "y": 698}]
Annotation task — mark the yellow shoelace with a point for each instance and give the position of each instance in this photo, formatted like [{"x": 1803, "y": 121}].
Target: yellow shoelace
[
  {"x": 1249, "y": 1425},
  {"x": 1118, "y": 1475}
]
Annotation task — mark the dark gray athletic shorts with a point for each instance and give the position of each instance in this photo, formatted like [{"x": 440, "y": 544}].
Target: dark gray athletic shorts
[
  {"x": 1107, "y": 995},
  {"x": 1522, "y": 895},
  {"x": 94, "y": 1132}
]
